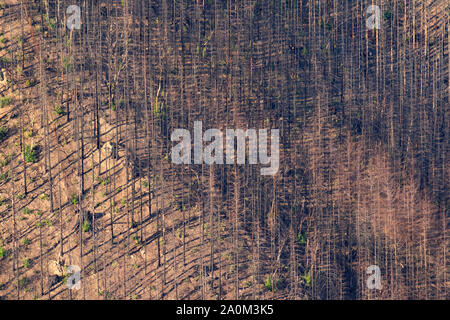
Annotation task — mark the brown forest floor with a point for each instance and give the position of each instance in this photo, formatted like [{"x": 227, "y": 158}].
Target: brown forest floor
[{"x": 357, "y": 207}]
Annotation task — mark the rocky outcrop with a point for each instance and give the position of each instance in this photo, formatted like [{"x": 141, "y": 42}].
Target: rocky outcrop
[{"x": 110, "y": 150}]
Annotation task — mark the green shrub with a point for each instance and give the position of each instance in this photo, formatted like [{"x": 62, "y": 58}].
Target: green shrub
[
  {"x": 3, "y": 252},
  {"x": 387, "y": 15},
  {"x": 307, "y": 279},
  {"x": 26, "y": 241},
  {"x": 269, "y": 283},
  {"x": 104, "y": 182},
  {"x": 3, "y": 132},
  {"x": 28, "y": 133},
  {"x": 30, "y": 154},
  {"x": 304, "y": 52},
  {"x": 4, "y": 176},
  {"x": 46, "y": 222},
  {"x": 65, "y": 279},
  {"x": 43, "y": 196},
  {"x": 158, "y": 110},
  {"x": 4, "y": 161},
  {"x": 26, "y": 263},
  {"x": 20, "y": 196},
  {"x": 30, "y": 83},
  {"x": 59, "y": 111},
  {"x": 136, "y": 240},
  {"x": 301, "y": 238},
  {"x": 26, "y": 211},
  {"x": 5, "y": 101},
  {"x": 75, "y": 199},
  {"x": 52, "y": 23},
  {"x": 86, "y": 226}
]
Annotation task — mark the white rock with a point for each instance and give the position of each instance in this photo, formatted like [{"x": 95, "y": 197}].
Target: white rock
[
  {"x": 110, "y": 149},
  {"x": 55, "y": 268}
]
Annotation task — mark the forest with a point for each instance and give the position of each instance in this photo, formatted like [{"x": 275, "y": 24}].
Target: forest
[{"x": 94, "y": 207}]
